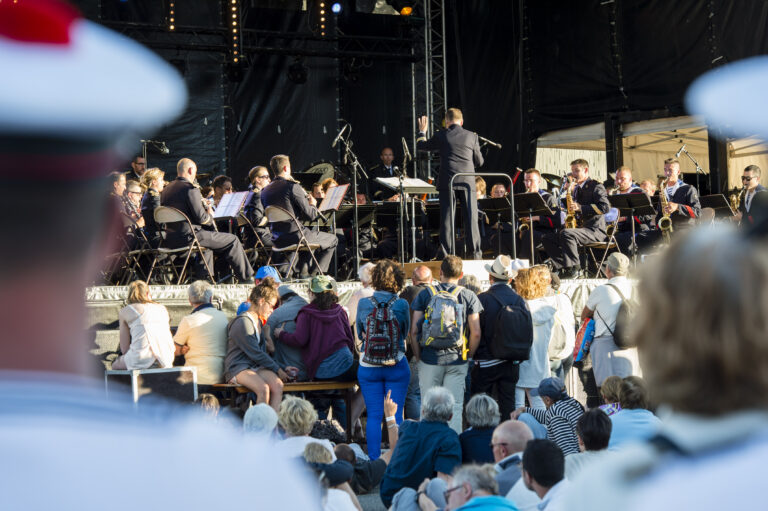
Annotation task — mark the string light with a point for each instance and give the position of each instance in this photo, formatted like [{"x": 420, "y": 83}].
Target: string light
[{"x": 171, "y": 17}]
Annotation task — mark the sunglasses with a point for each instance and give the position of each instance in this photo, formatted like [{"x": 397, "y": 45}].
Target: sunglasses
[
  {"x": 448, "y": 492},
  {"x": 747, "y": 178}
]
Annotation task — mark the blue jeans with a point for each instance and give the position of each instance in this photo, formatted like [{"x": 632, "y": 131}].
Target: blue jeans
[
  {"x": 375, "y": 382},
  {"x": 539, "y": 430}
]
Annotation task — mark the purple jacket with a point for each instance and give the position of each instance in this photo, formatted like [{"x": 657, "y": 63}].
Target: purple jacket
[{"x": 319, "y": 334}]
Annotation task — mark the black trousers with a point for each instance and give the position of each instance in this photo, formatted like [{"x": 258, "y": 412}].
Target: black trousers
[
  {"x": 498, "y": 382},
  {"x": 466, "y": 199},
  {"x": 324, "y": 254},
  {"x": 222, "y": 244},
  {"x": 563, "y": 247},
  {"x": 524, "y": 243}
]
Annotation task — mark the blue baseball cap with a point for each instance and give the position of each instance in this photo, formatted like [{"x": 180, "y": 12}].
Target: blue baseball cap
[
  {"x": 268, "y": 271},
  {"x": 550, "y": 387}
]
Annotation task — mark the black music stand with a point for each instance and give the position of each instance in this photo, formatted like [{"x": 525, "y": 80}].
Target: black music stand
[
  {"x": 503, "y": 213},
  {"x": 404, "y": 186},
  {"x": 629, "y": 205},
  {"x": 530, "y": 205},
  {"x": 719, "y": 203}
]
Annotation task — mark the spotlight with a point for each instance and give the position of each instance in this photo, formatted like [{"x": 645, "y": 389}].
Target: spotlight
[
  {"x": 406, "y": 11},
  {"x": 336, "y": 8}
]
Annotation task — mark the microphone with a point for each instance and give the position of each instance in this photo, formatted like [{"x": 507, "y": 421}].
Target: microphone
[
  {"x": 164, "y": 148},
  {"x": 677, "y": 154},
  {"x": 406, "y": 152},
  {"x": 396, "y": 170},
  {"x": 489, "y": 142},
  {"x": 338, "y": 137}
]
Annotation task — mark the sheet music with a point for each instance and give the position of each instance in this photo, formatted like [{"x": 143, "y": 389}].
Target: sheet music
[
  {"x": 333, "y": 198},
  {"x": 393, "y": 183},
  {"x": 231, "y": 204}
]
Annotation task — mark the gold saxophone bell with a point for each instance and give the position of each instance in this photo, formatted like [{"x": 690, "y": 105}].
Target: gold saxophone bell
[
  {"x": 571, "y": 222},
  {"x": 665, "y": 223}
]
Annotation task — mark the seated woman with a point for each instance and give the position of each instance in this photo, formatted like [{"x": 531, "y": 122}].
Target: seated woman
[
  {"x": 323, "y": 334},
  {"x": 247, "y": 362},
  {"x": 482, "y": 414},
  {"x": 153, "y": 182},
  {"x": 634, "y": 422},
  {"x": 145, "y": 332},
  {"x": 610, "y": 391},
  {"x": 297, "y": 416}
]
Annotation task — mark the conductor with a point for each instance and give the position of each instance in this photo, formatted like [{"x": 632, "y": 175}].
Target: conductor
[{"x": 459, "y": 152}]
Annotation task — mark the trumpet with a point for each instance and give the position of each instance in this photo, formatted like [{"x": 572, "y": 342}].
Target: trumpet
[{"x": 524, "y": 226}]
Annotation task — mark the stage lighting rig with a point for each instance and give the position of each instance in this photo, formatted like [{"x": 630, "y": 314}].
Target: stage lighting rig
[
  {"x": 233, "y": 21},
  {"x": 171, "y": 17}
]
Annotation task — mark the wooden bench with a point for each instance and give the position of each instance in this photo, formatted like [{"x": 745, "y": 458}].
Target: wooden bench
[{"x": 319, "y": 389}]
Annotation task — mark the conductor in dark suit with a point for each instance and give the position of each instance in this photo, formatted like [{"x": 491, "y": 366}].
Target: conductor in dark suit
[
  {"x": 459, "y": 152},
  {"x": 286, "y": 193},
  {"x": 185, "y": 196}
]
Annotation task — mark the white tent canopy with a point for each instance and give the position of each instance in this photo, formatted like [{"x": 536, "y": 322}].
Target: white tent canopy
[{"x": 646, "y": 145}]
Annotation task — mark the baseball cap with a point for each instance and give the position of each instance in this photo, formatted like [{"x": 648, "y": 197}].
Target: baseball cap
[
  {"x": 322, "y": 283},
  {"x": 268, "y": 271},
  {"x": 550, "y": 387},
  {"x": 618, "y": 263}
]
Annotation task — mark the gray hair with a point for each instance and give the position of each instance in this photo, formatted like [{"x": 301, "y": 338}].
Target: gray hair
[
  {"x": 200, "y": 291},
  {"x": 479, "y": 477},
  {"x": 260, "y": 419},
  {"x": 437, "y": 405},
  {"x": 366, "y": 273},
  {"x": 482, "y": 412},
  {"x": 470, "y": 282}
]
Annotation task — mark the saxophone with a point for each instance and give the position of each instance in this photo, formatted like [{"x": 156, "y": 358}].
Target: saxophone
[
  {"x": 665, "y": 223},
  {"x": 570, "y": 218},
  {"x": 735, "y": 199}
]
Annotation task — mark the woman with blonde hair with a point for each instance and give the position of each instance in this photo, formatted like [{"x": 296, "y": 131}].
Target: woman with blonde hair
[
  {"x": 533, "y": 287},
  {"x": 153, "y": 182},
  {"x": 145, "y": 332}
]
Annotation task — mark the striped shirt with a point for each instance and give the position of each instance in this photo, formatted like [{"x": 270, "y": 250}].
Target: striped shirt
[{"x": 560, "y": 420}]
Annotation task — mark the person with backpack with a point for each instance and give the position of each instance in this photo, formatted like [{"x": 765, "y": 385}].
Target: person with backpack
[
  {"x": 505, "y": 324},
  {"x": 603, "y": 305},
  {"x": 445, "y": 333},
  {"x": 382, "y": 325}
]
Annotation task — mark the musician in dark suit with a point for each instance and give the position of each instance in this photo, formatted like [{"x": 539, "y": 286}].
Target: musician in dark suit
[
  {"x": 386, "y": 168},
  {"x": 286, "y": 193},
  {"x": 254, "y": 210},
  {"x": 542, "y": 225},
  {"x": 624, "y": 185},
  {"x": 138, "y": 167},
  {"x": 459, "y": 152},
  {"x": 750, "y": 179},
  {"x": 590, "y": 203},
  {"x": 683, "y": 209},
  {"x": 185, "y": 196}
]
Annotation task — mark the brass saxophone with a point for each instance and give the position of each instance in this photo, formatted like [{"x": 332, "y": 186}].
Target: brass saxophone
[
  {"x": 665, "y": 223},
  {"x": 570, "y": 218},
  {"x": 735, "y": 199}
]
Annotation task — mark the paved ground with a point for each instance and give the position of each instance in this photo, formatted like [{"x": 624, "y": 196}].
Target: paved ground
[{"x": 371, "y": 501}]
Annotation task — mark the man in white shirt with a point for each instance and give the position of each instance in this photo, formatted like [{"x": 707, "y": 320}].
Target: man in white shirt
[
  {"x": 202, "y": 335},
  {"x": 544, "y": 473},
  {"x": 603, "y": 306}
]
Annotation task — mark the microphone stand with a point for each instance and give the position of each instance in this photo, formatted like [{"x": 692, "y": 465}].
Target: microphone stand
[
  {"x": 698, "y": 168},
  {"x": 491, "y": 143},
  {"x": 351, "y": 157}
]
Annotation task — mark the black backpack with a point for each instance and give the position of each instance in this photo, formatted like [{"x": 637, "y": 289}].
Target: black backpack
[
  {"x": 512, "y": 332},
  {"x": 624, "y": 317}
]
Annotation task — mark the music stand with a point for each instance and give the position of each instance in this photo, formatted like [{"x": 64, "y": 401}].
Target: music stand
[
  {"x": 499, "y": 206},
  {"x": 629, "y": 205},
  {"x": 404, "y": 186},
  {"x": 719, "y": 203},
  {"x": 530, "y": 205}
]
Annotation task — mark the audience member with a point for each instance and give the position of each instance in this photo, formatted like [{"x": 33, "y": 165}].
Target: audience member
[
  {"x": 297, "y": 416},
  {"x": 594, "y": 432},
  {"x": 558, "y": 421},
  {"x": 603, "y": 306},
  {"x": 495, "y": 377},
  {"x": 368, "y": 472},
  {"x": 420, "y": 278},
  {"x": 482, "y": 414},
  {"x": 247, "y": 362},
  {"x": 364, "y": 292},
  {"x": 609, "y": 391},
  {"x": 508, "y": 443},
  {"x": 264, "y": 272},
  {"x": 560, "y": 353},
  {"x": 425, "y": 449},
  {"x": 448, "y": 366},
  {"x": 634, "y": 422},
  {"x": 470, "y": 282},
  {"x": 543, "y": 472},
  {"x": 145, "y": 331},
  {"x": 202, "y": 335},
  {"x": 209, "y": 404},
  {"x": 260, "y": 419},
  {"x": 530, "y": 284},
  {"x": 383, "y": 367},
  {"x": 284, "y": 316},
  {"x": 472, "y": 487},
  {"x": 340, "y": 496}
]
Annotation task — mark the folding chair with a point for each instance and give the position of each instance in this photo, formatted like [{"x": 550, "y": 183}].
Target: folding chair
[
  {"x": 278, "y": 214},
  {"x": 247, "y": 229},
  {"x": 166, "y": 215},
  {"x": 606, "y": 246}
]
